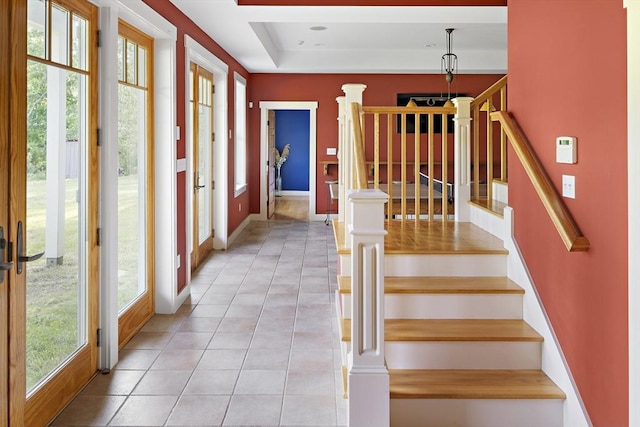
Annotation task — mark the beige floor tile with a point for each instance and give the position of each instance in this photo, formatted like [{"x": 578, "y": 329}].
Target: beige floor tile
[
  {"x": 199, "y": 411},
  {"x": 136, "y": 359},
  {"x": 209, "y": 310},
  {"x": 254, "y": 410},
  {"x": 308, "y": 340},
  {"x": 200, "y": 324},
  {"x": 190, "y": 340},
  {"x": 149, "y": 341},
  {"x": 118, "y": 382},
  {"x": 178, "y": 360},
  {"x": 218, "y": 381},
  {"x": 237, "y": 324},
  {"x": 261, "y": 382},
  {"x": 251, "y": 311},
  {"x": 271, "y": 340},
  {"x": 162, "y": 383},
  {"x": 222, "y": 359},
  {"x": 309, "y": 411},
  {"x": 311, "y": 382},
  {"x": 305, "y": 360},
  {"x": 144, "y": 411},
  {"x": 267, "y": 359},
  {"x": 88, "y": 410},
  {"x": 230, "y": 340}
]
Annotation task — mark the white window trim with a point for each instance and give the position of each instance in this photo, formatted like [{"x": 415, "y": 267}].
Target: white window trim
[
  {"x": 240, "y": 181},
  {"x": 143, "y": 17}
]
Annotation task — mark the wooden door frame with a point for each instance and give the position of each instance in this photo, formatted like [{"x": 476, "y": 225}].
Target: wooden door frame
[
  {"x": 5, "y": 46},
  {"x": 312, "y": 107}
]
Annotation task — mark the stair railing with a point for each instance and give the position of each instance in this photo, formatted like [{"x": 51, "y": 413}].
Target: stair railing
[
  {"x": 489, "y": 144},
  {"x": 568, "y": 229}
]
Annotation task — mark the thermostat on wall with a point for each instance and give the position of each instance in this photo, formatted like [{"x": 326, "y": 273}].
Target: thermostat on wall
[{"x": 566, "y": 149}]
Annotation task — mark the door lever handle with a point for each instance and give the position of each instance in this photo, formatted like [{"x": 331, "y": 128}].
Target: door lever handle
[{"x": 22, "y": 257}]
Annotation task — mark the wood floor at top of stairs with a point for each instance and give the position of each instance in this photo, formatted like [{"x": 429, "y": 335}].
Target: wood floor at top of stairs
[
  {"x": 452, "y": 330},
  {"x": 441, "y": 285},
  {"x": 472, "y": 384},
  {"x": 433, "y": 238}
]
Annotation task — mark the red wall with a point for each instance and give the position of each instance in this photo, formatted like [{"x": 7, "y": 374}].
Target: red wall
[
  {"x": 567, "y": 76},
  {"x": 324, "y": 88},
  {"x": 186, "y": 27}
]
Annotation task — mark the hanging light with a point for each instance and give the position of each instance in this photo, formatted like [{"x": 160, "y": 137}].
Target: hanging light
[{"x": 449, "y": 66}]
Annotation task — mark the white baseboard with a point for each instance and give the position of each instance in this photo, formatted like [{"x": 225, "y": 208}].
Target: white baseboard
[
  {"x": 238, "y": 230},
  {"x": 294, "y": 193},
  {"x": 554, "y": 363}
]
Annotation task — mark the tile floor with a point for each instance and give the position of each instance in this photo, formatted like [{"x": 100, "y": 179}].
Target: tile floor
[{"x": 256, "y": 344}]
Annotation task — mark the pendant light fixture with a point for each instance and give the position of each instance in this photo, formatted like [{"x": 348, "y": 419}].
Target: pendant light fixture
[{"x": 449, "y": 66}]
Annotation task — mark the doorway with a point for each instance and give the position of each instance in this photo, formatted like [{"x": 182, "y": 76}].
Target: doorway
[{"x": 265, "y": 107}]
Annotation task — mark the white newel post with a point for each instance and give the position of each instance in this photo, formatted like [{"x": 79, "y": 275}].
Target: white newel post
[
  {"x": 462, "y": 159},
  {"x": 341, "y": 169},
  {"x": 353, "y": 93},
  {"x": 368, "y": 374}
]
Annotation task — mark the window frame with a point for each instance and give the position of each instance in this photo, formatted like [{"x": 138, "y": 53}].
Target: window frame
[{"x": 240, "y": 130}]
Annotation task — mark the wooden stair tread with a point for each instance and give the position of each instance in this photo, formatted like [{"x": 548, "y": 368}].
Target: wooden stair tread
[
  {"x": 513, "y": 330},
  {"x": 472, "y": 384},
  {"x": 493, "y": 206},
  {"x": 441, "y": 285},
  {"x": 430, "y": 238}
]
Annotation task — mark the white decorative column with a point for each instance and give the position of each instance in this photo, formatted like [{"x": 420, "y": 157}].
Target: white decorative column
[
  {"x": 55, "y": 167},
  {"x": 368, "y": 374},
  {"x": 462, "y": 159},
  {"x": 353, "y": 93},
  {"x": 341, "y": 169}
]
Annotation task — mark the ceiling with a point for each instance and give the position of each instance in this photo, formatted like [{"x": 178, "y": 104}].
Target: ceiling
[{"x": 360, "y": 39}]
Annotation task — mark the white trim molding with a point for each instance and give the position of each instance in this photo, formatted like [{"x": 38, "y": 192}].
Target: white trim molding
[
  {"x": 633, "y": 199},
  {"x": 195, "y": 52},
  {"x": 312, "y": 106}
]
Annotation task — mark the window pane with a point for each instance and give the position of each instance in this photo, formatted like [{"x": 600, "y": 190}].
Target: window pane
[
  {"x": 142, "y": 70},
  {"x": 131, "y": 63},
  {"x": 56, "y": 218},
  {"x": 131, "y": 194},
  {"x": 36, "y": 28},
  {"x": 79, "y": 45},
  {"x": 59, "y": 35},
  {"x": 120, "y": 59}
]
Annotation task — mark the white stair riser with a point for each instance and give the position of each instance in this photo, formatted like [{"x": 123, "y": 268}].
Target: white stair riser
[
  {"x": 463, "y": 355},
  {"x": 501, "y": 192},
  {"x": 476, "y": 412},
  {"x": 446, "y": 306},
  {"x": 437, "y": 265},
  {"x": 487, "y": 221}
]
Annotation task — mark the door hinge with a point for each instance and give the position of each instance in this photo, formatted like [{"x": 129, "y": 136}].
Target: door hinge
[
  {"x": 99, "y": 337},
  {"x": 213, "y": 232},
  {"x": 99, "y": 137},
  {"x": 99, "y": 38},
  {"x": 213, "y": 88},
  {"x": 213, "y": 136},
  {"x": 213, "y": 185},
  {"x": 98, "y": 236}
]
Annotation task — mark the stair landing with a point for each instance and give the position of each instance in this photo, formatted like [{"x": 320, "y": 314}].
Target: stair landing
[{"x": 434, "y": 238}]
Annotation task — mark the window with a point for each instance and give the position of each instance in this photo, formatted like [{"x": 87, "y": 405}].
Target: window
[{"x": 240, "y": 145}]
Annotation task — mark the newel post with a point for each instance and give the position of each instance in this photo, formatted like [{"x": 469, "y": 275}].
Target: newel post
[
  {"x": 342, "y": 136},
  {"x": 368, "y": 374},
  {"x": 462, "y": 159},
  {"x": 353, "y": 93}
]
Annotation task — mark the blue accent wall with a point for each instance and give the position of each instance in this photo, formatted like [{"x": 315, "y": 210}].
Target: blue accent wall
[{"x": 292, "y": 127}]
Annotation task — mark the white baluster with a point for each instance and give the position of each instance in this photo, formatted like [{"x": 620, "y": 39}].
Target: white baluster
[{"x": 353, "y": 93}]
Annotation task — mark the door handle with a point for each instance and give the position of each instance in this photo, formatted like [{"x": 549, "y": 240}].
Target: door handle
[
  {"x": 4, "y": 266},
  {"x": 22, "y": 257},
  {"x": 196, "y": 181}
]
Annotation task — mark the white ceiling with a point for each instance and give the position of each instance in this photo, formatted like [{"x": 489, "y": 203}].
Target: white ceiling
[{"x": 279, "y": 39}]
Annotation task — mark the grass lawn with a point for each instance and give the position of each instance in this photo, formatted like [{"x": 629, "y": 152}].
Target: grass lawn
[{"x": 55, "y": 294}]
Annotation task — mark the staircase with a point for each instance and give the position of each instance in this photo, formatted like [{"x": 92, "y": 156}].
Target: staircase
[{"x": 457, "y": 349}]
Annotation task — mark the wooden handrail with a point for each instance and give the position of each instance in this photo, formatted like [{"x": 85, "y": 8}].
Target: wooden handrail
[
  {"x": 571, "y": 235},
  {"x": 358, "y": 149},
  {"x": 489, "y": 92}
]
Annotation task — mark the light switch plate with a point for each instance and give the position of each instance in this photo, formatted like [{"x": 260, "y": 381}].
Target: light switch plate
[
  {"x": 331, "y": 151},
  {"x": 569, "y": 186}
]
